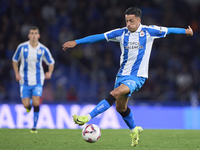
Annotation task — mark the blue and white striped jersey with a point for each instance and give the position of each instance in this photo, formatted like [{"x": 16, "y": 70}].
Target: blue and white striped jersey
[
  {"x": 31, "y": 70},
  {"x": 135, "y": 48}
]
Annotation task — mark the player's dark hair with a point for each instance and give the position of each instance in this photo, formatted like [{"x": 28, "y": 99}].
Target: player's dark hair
[
  {"x": 34, "y": 28},
  {"x": 134, "y": 11}
]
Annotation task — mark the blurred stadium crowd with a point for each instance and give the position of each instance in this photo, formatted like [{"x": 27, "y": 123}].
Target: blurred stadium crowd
[{"x": 87, "y": 73}]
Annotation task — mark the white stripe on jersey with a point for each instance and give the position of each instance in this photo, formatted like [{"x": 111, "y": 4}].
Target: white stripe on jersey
[
  {"x": 31, "y": 70},
  {"x": 131, "y": 55},
  {"x": 135, "y": 48},
  {"x": 145, "y": 61}
]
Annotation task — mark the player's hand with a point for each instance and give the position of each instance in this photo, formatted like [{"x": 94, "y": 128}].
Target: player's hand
[
  {"x": 189, "y": 31},
  {"x": 18, "y": 77},
  {"x": 69, "y": 44},
  {"x": 47, "y": 75}
]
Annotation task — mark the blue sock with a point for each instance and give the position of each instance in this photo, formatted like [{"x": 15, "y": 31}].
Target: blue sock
[
  {"x": 130, "y": 121},
  {"x": 36, "y": 115},
  {"x": 101, "y": 107},
  {"x": 128, "y": 118},
  {"x": 35, "y": 119}
]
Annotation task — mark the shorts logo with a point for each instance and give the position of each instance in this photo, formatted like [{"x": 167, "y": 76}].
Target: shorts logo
[
  {"x": 130, "y": 82},
  {"x": 38, "y": 89}
]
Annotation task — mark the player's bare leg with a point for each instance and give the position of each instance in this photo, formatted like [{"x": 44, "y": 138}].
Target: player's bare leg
[
  {"x": 26, "y": 103},
  {"x": 36, "y": 100},
  {"x": 121, "y": 99}
]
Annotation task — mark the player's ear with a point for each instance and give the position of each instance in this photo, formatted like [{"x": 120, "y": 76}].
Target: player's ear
[{"x": 139, "y": 19}]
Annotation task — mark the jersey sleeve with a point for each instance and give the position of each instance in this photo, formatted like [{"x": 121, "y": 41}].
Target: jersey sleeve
[
  {"x": 175, "y": 31},
  {"x": 17, "y": 56},
  {"x": 47, "y": 57},
  {"x": 91, "y": 39},
  {"x": 114, "y": 35},
  {"x": 157, "y": 31}
]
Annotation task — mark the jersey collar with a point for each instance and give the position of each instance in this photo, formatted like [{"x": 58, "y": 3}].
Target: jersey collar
[
  {"x": 38, "y": 46},
  {"x": 139, "y": 28}
]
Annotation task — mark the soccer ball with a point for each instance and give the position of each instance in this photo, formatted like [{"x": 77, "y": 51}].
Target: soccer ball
[{"x": 91, "y": 133}]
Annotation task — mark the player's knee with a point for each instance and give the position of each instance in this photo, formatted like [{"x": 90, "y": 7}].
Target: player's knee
[
  {"x": 26, "y": 105},
  {"x": 116, "y": 93}
]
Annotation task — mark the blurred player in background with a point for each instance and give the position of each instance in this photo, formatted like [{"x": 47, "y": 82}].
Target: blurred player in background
[
  {"x": 31, "y": 74},
  {"x": 136, "y": 42}
]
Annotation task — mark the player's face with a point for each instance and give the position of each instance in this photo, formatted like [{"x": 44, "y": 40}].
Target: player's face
[
  {"x": 33, "y": 35},
  {"x": 132, "y": 22}
]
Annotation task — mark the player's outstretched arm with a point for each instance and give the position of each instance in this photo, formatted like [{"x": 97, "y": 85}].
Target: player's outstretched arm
[
  {"x": 69, "y": 44},
  {"x": 189, "y": 31},
  {"x": 88, "y": 39}
]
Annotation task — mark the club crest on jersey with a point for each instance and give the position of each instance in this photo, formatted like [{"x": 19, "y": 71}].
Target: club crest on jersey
[
  {"x": 25, "y": 49},
  {"x": 142, "y": 34},
  {"x": 39, "y": 51}
]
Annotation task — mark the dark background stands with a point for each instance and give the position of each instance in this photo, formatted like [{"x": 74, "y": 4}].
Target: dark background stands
[{"x": 88, "y": 71}]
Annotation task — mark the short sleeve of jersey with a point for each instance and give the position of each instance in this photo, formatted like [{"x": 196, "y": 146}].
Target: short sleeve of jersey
[
  {"x": 114, "y": 35},
  {"x": 16, "y": 56},
  {"x": 157, "y": 31},
  {"x": 48, "y": 59}
]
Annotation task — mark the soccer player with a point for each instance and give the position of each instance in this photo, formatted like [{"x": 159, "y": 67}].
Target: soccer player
[
  {"x": 136, "y": 42},
  {"x": 31, "y": 74}
]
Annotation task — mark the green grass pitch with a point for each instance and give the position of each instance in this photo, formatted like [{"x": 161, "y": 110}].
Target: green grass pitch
[{"x": 111, "y": 139}]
